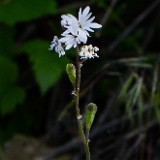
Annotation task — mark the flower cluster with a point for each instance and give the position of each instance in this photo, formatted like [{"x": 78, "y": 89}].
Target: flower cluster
[
  {"x": 56, "y": 44},
  {"x": 88, "y": 51},
  {"x": 76, "y": 32}
]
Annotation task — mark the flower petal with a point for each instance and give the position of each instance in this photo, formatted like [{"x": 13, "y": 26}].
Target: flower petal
[
  {"x": 95, "y": 25},
  {"x": 86, "y": 11}
]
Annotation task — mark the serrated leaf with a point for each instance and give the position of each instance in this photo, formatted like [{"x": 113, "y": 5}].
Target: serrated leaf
[
  {"x": 13, "y": 11},
  {"x": 11, "y": 98},
  {"x": 47, "y": 66}
]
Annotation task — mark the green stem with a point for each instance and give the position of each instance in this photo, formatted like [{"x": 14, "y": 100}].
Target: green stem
[
  {"x": 84, "y": 139},
  {"x": 78, "y": 82},
  {"x": 79, "y": 119}
]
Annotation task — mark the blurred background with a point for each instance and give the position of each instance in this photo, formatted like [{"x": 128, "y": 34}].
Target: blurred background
[{"x": 37, "y": 115}]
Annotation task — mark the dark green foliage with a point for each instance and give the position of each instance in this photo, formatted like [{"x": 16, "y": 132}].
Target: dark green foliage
[
  {"x": 6, "y": 40},
  {"x": 13, "y": 11},
  {"x": 11, "y": 95},
  {"x": 47, "y": 66}
]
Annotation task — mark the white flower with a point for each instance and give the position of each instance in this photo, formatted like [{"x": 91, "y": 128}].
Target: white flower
[
  {"x": 72, "y": 40},
  {"x": 88, "y": 51},
  {"x": 77, "y": 29},
  {"x": 76, "y": 32},
  {"x": 86, "y": 21},
  {"x": 57, "y": 46},
  {"x": 68, "y": 20},
  {"x": 73, "y": 34}
]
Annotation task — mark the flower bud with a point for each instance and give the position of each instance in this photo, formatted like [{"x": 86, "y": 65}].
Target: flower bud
[
  {"x": 71, "y": 71},
  {"x": 91, "y": 110}
]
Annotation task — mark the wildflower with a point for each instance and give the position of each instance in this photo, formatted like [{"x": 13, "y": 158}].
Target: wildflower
[
  {"x": 77, "y": 29},
  {"x": 72, "y": 40},
  {"x": 76, "y": 32},
  {"x": 68, "y": 20},
  {"x": 88, "y": 51},
  {"x": 86, "y": 21},
  {"x": 56, "y": 44}
]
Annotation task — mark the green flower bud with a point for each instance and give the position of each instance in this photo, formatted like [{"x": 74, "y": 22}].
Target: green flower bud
[
  {"x": 91, "y": 110},
  {"x": 71, "y": 71}
]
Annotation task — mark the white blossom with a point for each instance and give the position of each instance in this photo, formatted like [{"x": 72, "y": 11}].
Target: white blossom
[
  {"x": 86, "y": 21},
  {"x": 77, "y": 29},
  {"x": 68, "y": 20},
  {"x": 88, "y": 52},
  {"x": 57, "y": 46},
  {"x": 76, "y": 33},
  {"x": 72, "y": 40}
]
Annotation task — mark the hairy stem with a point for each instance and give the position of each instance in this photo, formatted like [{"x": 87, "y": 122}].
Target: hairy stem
[{"x": 79, "y": 118}]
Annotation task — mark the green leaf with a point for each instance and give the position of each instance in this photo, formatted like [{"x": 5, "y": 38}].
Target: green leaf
[
  {"x": 125, "y": 88},
  {"x": 140, "y": 107},
  {"x": 154, "y": 82},
  {"x": 71, "y": 71},
  {"x": 90, "y": 113},
  {"x": 137, "y": 92},
  {"x": 8, "y": 72},
  {"x": 6, "y": 40},
  {"x": 135, "y": 96},
  {"x": 10, "y": 94},
  {"x": 13, "y": 11},
  {"x": 11, "y": 98},
  {"x": 157, "y": 106},
  {"x": 47, "y": 66}
]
